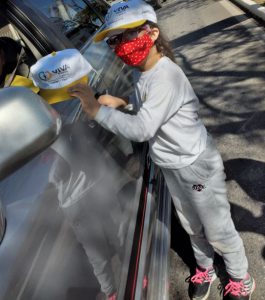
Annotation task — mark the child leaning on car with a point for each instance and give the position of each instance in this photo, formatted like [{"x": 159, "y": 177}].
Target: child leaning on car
[{"x": 179, "y": 144}]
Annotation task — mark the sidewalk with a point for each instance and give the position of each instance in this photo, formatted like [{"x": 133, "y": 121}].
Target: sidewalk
[
  {"x": 221, "y": 50},
  {"x": 253, "y": 7},
  {"x": 261, "y": 2}
]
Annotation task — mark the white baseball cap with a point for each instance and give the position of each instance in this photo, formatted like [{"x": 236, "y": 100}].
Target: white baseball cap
[
  {"x": 56, "y": 72},
  {"x": 125, "y": 15}
]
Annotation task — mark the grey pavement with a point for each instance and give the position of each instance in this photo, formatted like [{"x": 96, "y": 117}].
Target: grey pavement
[
  {"x": 221, "y": 51},
  {"x": 252, "y": 7}
]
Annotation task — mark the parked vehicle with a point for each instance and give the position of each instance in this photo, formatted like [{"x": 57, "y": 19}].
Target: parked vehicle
[
  {"x": 88, "y": 214},
  {"x": 155, "y": 3}
]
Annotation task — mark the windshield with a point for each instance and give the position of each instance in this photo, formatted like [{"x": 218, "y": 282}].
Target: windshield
[{"x": 74, "y": 18}]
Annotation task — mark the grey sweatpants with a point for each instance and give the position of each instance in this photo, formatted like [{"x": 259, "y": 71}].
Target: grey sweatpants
[{"x": 200, "y": 198}]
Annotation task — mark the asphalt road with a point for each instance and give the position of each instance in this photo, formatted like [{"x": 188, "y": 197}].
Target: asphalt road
[{"x": 222, "y": 52}]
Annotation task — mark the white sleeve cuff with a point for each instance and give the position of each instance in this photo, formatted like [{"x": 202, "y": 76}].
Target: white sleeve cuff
[{"x": 102, "y": 113}]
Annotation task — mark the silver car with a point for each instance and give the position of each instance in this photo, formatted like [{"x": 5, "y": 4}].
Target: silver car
[{"x": 88, "y": 215}]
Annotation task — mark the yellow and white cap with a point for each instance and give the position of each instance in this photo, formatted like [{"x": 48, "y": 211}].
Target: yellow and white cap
[
  {"x": 56, "y": 72},
  {"x": 126, "y": 15}
]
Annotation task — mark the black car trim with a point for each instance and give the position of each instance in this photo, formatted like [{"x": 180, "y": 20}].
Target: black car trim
[
  {"x": 137, "y": 239},
  {"x": 149, "y": 214},
  {"x": 17, "y": 16},
  {"x": 157, "y": 272}
]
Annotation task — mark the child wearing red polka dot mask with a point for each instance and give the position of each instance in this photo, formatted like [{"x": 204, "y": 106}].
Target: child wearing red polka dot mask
[
  {"x": 132, "y": 32},
  {"x": 134, "y": 51},
  {"x": 166, "y": 115}
]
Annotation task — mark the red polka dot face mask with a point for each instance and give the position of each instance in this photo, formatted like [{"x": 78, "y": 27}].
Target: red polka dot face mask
[{"x": 133, "y": 52}]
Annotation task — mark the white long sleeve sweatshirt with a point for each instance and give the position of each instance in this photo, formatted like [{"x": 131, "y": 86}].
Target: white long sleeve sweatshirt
[{"x": 167, "y": 116}]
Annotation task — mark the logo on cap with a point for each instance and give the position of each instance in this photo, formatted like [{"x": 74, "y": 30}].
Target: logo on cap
[
  {"x": 45, "y": 76},
  {"x": 116, "y": 11},
  {"x": 48, "y": 75},
  {"x": 121, "y": 9}
]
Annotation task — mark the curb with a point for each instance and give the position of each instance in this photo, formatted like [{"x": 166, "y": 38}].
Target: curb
[{"x": 252, "y": 7}]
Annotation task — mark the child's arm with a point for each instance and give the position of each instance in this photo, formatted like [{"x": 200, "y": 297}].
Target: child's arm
[
  {"x": 112, "y": 101},
  {"x": 89, "y": 102}
]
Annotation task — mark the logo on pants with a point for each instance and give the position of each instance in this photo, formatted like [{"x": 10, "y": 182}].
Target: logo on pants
[{"x": 198, "y": 187}]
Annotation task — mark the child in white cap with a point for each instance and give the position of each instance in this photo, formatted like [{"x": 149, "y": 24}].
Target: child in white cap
[{"x": 167, "y": 117}]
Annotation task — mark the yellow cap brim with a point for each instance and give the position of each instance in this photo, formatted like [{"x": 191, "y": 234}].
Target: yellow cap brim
[
  {"x": 103, "y": 34},
  {"x": 58, "y": 95},
  {"x": 23, "y": 81}
]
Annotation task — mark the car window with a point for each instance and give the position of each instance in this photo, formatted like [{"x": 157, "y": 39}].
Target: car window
[
  {"x": 78, "y": 21},
  {"x": 74, "y": 18},
  {"x": 67, "y": 248}
]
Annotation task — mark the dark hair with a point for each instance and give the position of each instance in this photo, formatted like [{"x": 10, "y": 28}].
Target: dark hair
[
  {"x": 162, "y": 43},
  {"x": 10, "y": 50}
]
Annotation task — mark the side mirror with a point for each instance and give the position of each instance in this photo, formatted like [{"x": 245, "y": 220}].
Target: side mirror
[{"x": 28, "y": 125}]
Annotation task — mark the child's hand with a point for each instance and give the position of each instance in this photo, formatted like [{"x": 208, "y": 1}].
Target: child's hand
[
  {"x": 86, "y": 96},
  {"x": 111, "y": 101}
]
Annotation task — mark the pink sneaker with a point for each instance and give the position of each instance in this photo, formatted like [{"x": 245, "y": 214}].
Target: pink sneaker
[
  {"x": 240, "y": 289},
  {"x": 201, "y": 282},
  {"x": 113, "y": 297}
]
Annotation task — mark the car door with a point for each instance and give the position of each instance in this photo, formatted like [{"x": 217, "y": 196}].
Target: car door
[{"x": 81, "y": 216}]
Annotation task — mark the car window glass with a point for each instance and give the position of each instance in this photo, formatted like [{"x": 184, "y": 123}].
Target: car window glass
[
  {"x": 109, "y": 74},
  {"x": 95, "y": 171},
  {"x": 74, "y": 18}
]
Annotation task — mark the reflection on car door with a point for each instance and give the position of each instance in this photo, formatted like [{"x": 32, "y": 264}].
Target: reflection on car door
[{"x": 72, "y": 211}]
